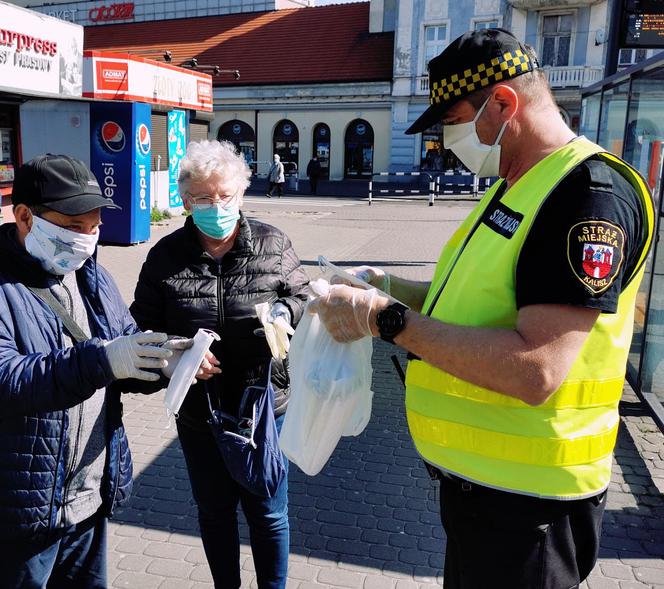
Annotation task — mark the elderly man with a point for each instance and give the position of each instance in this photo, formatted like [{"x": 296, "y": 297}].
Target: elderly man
[
  {"x": 518, "y": 345},
  {"x": 68, "y": 347}
]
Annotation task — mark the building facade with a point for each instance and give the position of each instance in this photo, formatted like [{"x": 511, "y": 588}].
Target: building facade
[
  {"x": 568, "y": 36},
  {"x": 101, "y": 12},
  {"x": 344, "y": 81},
  {"x": 311, "y": 81}
]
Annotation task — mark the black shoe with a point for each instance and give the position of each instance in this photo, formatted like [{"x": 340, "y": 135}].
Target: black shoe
[{"x": 268, "y": 195}]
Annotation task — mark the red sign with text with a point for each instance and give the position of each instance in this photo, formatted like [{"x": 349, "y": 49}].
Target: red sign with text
[
  {"x": 122, "y": 11},
  {"x": 204, "y": 90},
  {"x": 113, "y": 76}
]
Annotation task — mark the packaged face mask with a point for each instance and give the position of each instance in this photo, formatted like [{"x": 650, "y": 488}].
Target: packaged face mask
[{"x": 186, "y": 370}]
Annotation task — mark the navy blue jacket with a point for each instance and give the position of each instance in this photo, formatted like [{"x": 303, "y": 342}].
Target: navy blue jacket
[{"x": 40, "y": 381}]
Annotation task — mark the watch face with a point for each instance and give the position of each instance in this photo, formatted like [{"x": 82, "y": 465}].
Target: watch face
[{"x": 390, "y": 321}]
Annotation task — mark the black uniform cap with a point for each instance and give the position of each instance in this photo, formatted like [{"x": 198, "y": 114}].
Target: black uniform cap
[{"x": 471, "y": 62}]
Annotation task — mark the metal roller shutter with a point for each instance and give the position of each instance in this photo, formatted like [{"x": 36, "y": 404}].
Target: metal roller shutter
[
  {"x": 198, "y": 130},
  {"x": 159, "y": 140}
]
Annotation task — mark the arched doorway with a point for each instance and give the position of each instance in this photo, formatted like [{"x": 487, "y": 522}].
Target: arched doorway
[
  {"x": 359, "y": 147},
  {"x": 286, "y": 143},
  {"x": 322, "y": 140},
  {"x": 242, "y": 136}
]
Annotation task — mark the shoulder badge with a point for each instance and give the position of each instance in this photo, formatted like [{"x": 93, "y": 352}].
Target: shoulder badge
[{"x": 595, "y": 251}]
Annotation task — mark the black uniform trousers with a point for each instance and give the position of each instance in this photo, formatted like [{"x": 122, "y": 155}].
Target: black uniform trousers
[{"x": 497, "y": 539}]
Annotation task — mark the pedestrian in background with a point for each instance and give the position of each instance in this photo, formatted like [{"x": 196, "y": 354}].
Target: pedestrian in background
[
  {"x": 68, "y": 349},
  {"x": 516, "y": 366},
  {"x": 313, "y": 171},
  {"x": 211, "y": 274},
  {"x": 276, "y": 177}
]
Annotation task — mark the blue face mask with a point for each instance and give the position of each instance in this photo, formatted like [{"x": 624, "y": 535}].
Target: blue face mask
[{"x": 216, "y": 221}]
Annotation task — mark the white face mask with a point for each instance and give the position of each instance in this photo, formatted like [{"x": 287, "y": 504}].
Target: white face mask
[
  {"x": 59, "y": 250},
  {"x": 462, "y": 139}
]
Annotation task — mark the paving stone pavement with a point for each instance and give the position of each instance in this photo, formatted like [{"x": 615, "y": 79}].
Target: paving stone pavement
[{"x": 370, "y": 519}]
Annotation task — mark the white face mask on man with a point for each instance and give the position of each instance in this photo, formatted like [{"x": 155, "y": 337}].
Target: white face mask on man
[
  {"x": 462, "y": 139},
  {"x": 59, "y": 250}
]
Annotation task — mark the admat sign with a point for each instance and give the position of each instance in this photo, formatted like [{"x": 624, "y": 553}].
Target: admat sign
[
  {"x": 119, "y": 76},
  {"x": 39, "y": 55}
]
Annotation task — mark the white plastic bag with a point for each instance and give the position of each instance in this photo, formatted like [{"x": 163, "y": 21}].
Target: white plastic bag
[
  {"x": 330, "y": 391},
  {"x": 186, "y": 370}
]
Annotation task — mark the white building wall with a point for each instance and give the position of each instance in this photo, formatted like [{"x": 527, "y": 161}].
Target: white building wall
[
  {"x": 598, "y": 31},
  {"x": 306, "y": 119}
]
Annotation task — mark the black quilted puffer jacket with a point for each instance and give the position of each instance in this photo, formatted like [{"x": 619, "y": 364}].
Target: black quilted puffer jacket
[{"x": 181, "y": 288}]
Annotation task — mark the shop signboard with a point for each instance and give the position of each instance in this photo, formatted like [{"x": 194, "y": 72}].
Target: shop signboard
[
  {"x": 642, "y": 23},
  {"x": 39, "y": 55},
  {"x": 120, "y": 149},
  {"x": 177, "y": 141},
  {"x": 120, "y": 76}
]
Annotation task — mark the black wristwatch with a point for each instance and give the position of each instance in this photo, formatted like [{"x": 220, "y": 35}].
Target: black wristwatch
[{"x": 391, "y": 321}]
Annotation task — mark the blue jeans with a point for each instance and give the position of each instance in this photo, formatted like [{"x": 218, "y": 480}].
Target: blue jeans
[
  {"x": 217, "y": 496},
  {"x": 73, "y": 558}
]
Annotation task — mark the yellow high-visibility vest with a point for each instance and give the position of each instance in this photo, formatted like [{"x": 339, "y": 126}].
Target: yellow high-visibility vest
[{"x": 561, "y": 449}]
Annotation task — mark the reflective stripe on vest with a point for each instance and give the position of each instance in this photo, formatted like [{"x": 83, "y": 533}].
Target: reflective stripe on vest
[{"x": 562, "y": 448}]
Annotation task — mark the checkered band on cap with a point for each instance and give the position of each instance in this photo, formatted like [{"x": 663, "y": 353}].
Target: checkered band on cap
[{"x": 508, "y": 65}]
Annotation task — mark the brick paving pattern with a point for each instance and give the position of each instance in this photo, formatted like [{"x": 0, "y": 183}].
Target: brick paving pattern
[{"x": 370, "y": 519}]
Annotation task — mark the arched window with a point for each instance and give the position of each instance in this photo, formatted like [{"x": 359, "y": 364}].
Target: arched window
[
  {"x": 286, "y": 143},
  {"x": 322, "y": 142},
  {"x": 242, "y": 136},
  {"x": 359, "y": 147}
]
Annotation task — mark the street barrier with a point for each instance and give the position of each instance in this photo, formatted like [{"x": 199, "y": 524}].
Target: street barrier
[
  {"x": 445, "y": 184},
  {"x": 398, "y": 192}
]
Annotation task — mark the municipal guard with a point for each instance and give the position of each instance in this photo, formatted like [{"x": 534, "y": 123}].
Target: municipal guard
[{"x": 520, "y": 341}]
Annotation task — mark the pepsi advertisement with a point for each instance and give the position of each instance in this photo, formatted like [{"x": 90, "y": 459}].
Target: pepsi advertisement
[{"x": 120, "y": 159}]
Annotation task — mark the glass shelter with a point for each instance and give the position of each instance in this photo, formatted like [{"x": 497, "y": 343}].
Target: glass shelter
[{"x": 624, "y": 113}]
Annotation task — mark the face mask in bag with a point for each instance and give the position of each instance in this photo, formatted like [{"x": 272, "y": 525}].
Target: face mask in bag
[{"x": 186, "y": 370}]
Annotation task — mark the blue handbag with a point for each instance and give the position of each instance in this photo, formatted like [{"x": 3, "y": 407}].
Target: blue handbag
[{"x": 249, "y": 441}]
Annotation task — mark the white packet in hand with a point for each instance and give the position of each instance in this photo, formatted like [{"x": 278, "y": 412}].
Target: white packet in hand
[{"x": 186, "y": 370}]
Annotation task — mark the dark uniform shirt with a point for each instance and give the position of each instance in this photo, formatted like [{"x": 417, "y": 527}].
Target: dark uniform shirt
[{"x": 585, "y": 242}]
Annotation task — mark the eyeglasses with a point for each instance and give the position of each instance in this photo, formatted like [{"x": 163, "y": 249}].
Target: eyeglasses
[{"x": 205, "y": 201}]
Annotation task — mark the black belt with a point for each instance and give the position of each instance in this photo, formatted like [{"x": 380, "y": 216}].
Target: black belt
[{"x": 439, "y": 475}]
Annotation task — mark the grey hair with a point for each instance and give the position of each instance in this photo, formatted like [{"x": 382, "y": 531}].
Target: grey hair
[{"x": 219, "y": 159}]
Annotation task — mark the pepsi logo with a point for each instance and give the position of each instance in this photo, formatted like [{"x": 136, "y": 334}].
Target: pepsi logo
[
  {"x": 360, "y": 129},
  {"x": 112, "y": 137},
  {"x": 143, "y": 139}
]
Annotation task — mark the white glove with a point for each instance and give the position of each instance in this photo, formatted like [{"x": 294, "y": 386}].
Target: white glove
[
  {"x": 177, "y": 345},
  {"x": 374, "y": 276},
  {"x": 127, "y": 354},
  {"x": 277, "y": 327},
  {"x": 345, "y": 311}
]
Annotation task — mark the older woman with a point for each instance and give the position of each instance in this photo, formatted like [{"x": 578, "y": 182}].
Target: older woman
[{"x": 210, "y": 274}]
